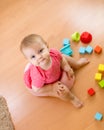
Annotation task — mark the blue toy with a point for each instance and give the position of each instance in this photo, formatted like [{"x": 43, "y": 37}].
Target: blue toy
[
  {"x": 67, "y": 50},
  {"x": 82, "y": 50},
  {"x": 98, "y": 116},
  {"x": 66, "y": 41},
  {"x": 89, "y": 49}
]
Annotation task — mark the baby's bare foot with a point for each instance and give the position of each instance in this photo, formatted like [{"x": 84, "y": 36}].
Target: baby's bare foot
[
  {"x": 62, "y": 91},
  {"x": 82, "y": 62},
  {"x": 76, "y": 102}
]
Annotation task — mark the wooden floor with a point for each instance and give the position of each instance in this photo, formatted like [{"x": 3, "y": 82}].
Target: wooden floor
[{"x": 54, "y": 20}]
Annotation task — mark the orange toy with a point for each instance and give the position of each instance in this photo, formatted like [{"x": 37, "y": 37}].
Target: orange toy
[{"x": 98, "y": 49}]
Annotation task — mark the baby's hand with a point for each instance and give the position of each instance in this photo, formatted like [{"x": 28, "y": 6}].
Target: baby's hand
[{"x": 70, "y": 73}]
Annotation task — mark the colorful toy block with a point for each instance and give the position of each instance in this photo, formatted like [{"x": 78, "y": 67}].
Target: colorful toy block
[
  {"x": 89, "y": 49},
  {"x": 66, "y": 41},
  {"x": 67, "y": 50},
  {"x": 101, "y": 83},
  {"x": 76, "y": 37},
  {"x": 98, "y": 76},
  {"x": 86, "y": 37},
  {"x": 98, "y": 49},
  {"x": 98, "y": 116},
  {"x": 101, "y": 68},
  {"x": 82, "y": 50},
  {"x": 91, "y": 91}
]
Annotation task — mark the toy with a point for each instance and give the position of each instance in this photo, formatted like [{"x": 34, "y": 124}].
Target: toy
[
  {"x": 86, "y": 37},
  {"x": 91, "y": 91},
  {"x": 82, "y": 50},
  {"x": 101, "y": 83},
  {"x": 66, "y": 50},
  {"x": 98, "y": 116},
  {"x": 89, "y": 49},
  {"x": 66, "y": 41},
  {"x": 98, "y": 49},
  {"x": 98, "y": 76},
  {"x": 76, "y": 37},
  {"x": 101, "y": 67}
]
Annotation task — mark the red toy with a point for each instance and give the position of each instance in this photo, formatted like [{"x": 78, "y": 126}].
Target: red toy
[
  {"x": 86, "y": 37},
  {"x": 98, "y": 49},
  {"x": 91, "y": 91}
]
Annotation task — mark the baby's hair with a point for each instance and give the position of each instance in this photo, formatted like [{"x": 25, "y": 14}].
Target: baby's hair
[{"x": 31, "y": 39}]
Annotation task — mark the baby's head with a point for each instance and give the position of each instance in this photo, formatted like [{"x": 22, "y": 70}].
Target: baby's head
[{"x": 35, "y": 50}]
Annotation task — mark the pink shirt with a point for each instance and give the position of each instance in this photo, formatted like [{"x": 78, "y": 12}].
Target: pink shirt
[{"x": 38, "y": 77}]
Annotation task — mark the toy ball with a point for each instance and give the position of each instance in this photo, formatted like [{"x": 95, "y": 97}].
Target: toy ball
[{"x": 86, "y": 37}]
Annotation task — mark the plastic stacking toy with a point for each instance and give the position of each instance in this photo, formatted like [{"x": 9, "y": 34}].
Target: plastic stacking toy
[
  {"x": 101, "y": 68},
  {"x": 101, "y": 83},
  {"x": 91, "y": 91},
  {"x": 98, "y": 116},
  {"x": 86, "y": 37},
  {"x": 82, "y": 50},
  {"x": 66, "y": 41},
  {"x": 98, "y": 49},
  {"x": 67, "y": 50},
  {"x": 98, "y": 76},
  {"x": 76, "y": 37},
  {"x": 89, "y": 49}
]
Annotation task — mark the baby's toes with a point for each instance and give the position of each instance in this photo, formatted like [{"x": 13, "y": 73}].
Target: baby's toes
[
  {"x": 59, "y": 92},
  {"x": 61, "y": 88}
]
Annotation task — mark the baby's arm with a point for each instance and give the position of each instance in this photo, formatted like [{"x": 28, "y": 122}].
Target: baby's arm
[{"x": 66, "y": 67}]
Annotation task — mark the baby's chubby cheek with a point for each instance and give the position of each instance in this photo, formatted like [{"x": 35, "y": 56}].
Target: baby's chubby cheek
[{"x": 46, "y": 55}]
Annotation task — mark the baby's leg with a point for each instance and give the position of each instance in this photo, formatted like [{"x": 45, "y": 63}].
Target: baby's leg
[
  {"x": 65, "y": 94},
  {"x": 76, "y": 64},
  {"x": 76, "y": 102},
  {"x": 58, "y": 90},
  {"x": 68, "y": 81}
]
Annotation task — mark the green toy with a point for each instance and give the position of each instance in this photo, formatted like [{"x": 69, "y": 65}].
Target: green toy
[{"x": 76, "y": 37}]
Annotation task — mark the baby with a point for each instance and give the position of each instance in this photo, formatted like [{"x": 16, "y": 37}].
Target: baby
[{"x": 49, "y": 73}]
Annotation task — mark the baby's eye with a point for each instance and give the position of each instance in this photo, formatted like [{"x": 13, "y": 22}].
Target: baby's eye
[
  {"x": 32, "y": 56},
  {"x": 41, "y": 50}
]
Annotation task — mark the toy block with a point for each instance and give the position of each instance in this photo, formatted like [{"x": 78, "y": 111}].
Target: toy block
[
  {"x": 82, "y": 50},
  {"x": 66, "y": 41},
  {"x": 101, "y": 83},
  {"x": 101, "y": 67},
  {"x": 76, "y": 37},
  {"x": 86, "y": 37},
  {"x": 98, "y": 49},
  {"x": 91, "y": 91},
  {"x": 98, "y": 76},
  {"x": 67, "y": 50},
  {"x": 89, "y": 49},
  {"x": 98, "y": 116}
]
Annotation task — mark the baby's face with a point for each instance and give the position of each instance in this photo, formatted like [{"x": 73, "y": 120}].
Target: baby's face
[{"x": 37, "y": 54}]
